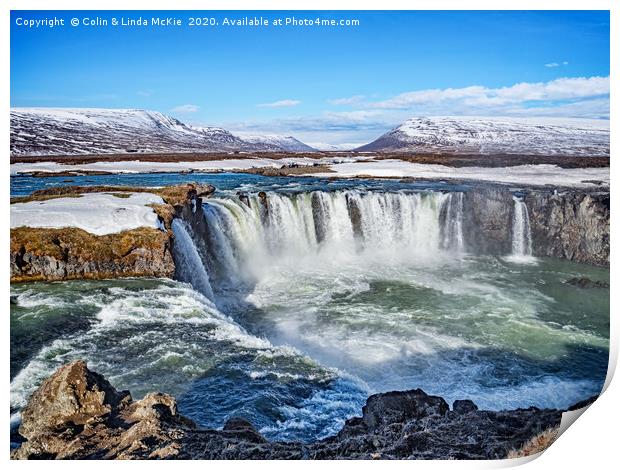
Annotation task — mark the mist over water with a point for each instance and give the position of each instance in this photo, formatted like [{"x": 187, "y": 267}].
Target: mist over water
[
  {"x": 298, "y": 305},
  {"x": 380, "y": 285}
]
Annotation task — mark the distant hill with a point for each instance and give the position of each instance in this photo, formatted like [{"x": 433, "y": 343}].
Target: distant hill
[
  {"x": 288, "y": 143},
  {"x": 481, "y": 135}
]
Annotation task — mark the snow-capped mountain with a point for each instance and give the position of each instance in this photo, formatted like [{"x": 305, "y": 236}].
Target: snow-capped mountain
[
  {"x": 334, "y": 147},
  {"x": 288, "y": 143},
  {"x": 481, "y": 135},
  {"x": 66, "y": 131}
]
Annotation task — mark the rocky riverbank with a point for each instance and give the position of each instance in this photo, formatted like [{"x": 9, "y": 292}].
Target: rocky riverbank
[
  {"x": 55, "y": 254},
  {"x": 78, "y": 414}
]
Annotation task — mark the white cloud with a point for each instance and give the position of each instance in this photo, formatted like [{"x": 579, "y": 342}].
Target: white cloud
[
  {"x": 347, "y": 101},
  {"x": 186, "y": 108},
  {"x": 556, "y": 64},
  {"x": 596, "y": 108},
  {"x": 585, "y": 97},
  {"x": 144, "y": 93},
  {"x": 480, "y": 96},
  {"x": 279, "y": 104},
  {"x": 328, "y": 128}
]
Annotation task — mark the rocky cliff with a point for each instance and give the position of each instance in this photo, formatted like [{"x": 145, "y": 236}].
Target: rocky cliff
[
  {"x": 78, "y": 414},
  {"x": 71, "y": 253},
  {"x": 54, "y": 254},
  {"x": 487, "y": 215},
  {"x": 573, "y": 225},
  {"x": 569, "y": 224}
]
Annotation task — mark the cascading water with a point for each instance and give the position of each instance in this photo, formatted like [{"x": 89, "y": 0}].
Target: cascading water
[
  {"x": 244, "y": 235},
  {"x": 189, "y": 267},
  {"x": 453, "y": 224},
  {"x": 318, "y": 300},
  {"x": 521, "y": 233}
]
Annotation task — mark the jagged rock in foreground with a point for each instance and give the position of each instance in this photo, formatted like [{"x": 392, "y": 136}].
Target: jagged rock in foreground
[
  {"x": 77, "y": 414},
  {"x": 57, "y": 254}
]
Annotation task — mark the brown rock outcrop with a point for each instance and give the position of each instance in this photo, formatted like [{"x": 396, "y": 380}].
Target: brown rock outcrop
[
  {"x": 77, "y": 414},
  {"x": 46, "y": 254}
]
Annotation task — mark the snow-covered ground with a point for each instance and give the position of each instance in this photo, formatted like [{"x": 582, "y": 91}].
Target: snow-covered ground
[
  {"x": 347, "y": 167},
  {"x": 522, "y": 174},
  {"x": 97, "y": 213},
  {"x": 153, "y": 167},
  {"x": 335, "y": 147}
]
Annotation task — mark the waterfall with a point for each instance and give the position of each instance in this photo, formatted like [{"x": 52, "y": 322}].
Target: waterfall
[
  {"x": 251, "y": 233},
  {"x": 521, "y": 233},
  {"x": 453, "y": 224},
  {"x": 189, "y": 266}
]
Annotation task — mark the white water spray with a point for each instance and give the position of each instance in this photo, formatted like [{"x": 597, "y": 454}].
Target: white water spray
[
  {"x": 521, "y": 233},
  {"x": 329, "y": 227},
  {"x": 453, "y": 224},
  {"x": 189, "y": 267}
]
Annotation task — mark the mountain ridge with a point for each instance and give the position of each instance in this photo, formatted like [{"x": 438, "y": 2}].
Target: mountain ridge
[
  {"x": 505, "y": 135},
  {"x": 76, "y": 131}
]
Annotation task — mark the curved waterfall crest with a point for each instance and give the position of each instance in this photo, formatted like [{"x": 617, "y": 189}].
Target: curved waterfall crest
[{"x": 249, "y": 233}]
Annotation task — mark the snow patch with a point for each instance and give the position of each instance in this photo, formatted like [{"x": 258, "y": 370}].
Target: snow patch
[
  {"x": 538, "y": 175},
  {"x": 97, "y": 213},
  {"x": 138, "y": 166},
  {"x": 287, "y": 143}
]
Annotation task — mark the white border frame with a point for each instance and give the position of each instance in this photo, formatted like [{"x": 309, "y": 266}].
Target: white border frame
[{"x": 590, "y": 444}]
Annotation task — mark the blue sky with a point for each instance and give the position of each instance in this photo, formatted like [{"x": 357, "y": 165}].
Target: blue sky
[{"x": 321, "y": 84}]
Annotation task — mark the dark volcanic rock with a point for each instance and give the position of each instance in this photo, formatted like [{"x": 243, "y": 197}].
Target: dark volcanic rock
[
  {"x": 487, "y": 220},
  {"x": 355, "y": 215},
  {"x": 319, "y": 214},
  {"x": 72, "y": 398},
  {"x": 395, "y": 407},
  {"x": 462, "y": 407},
  {"x": 587, "y": 283},
  {"x": 60, "y": 254},
  {"x": 77, "y": 414},
  {"x": 243, "y": 429},
  {"x": 570, "y": 224}
]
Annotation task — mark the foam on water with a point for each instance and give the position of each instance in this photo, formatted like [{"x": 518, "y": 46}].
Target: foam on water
[
  {"x": 452, "y": 322},
  {"x": 166, "y": 336},
  {"x": 298, "y": 306}
]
